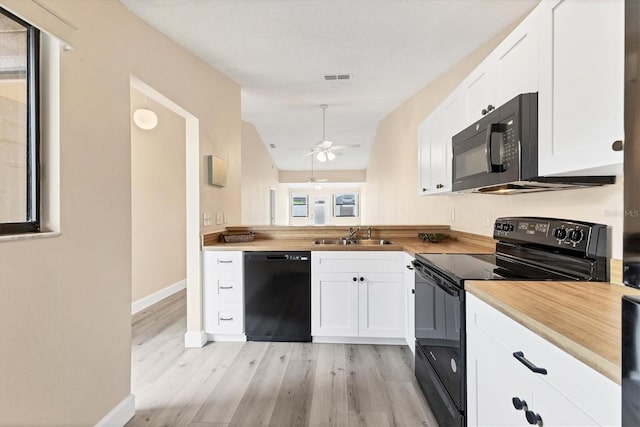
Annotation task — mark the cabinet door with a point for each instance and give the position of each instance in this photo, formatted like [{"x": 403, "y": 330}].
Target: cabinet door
[
  {"x": 493, "y": 380},
  {"x": 434, "y": 155},
  {"x": 581, "y": 92},
  {"x": 480, "y": 89},
  {"x": 334, "y": 304},
  {"x": 555, "y": 409},
  {"x": 424, "y": 158},
  {"x": 381, "y": 309},
  {"x": 517, "y": 60},
  {"x": 410, "y": 298}
]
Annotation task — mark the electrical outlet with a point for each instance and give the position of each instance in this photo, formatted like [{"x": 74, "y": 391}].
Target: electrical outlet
[
  {"x": 453, "y": 215},
  {"x": 224, "y": 218},
  {"x": 218, "y": 218}
]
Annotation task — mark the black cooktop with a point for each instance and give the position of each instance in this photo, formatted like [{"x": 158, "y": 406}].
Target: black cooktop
[{"x": 461, "y": 267}]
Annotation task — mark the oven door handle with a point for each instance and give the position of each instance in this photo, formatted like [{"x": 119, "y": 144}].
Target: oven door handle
[
  {"x": 450, "y": 289},
  {"x": 493, "y": 167}
]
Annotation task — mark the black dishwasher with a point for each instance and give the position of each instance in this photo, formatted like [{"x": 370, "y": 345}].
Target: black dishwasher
[{"x": 277, "y": 296}]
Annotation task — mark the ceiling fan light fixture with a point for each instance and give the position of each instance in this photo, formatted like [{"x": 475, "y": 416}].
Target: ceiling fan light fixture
[
  {"x": 325, "y": 156},
  {"x": 318, "y": 187}
]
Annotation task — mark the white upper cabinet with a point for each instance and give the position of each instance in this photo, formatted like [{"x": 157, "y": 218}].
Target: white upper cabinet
[
  {"x": 511, "y": 69},
  {"x": 434, "y": 155},
  {"x": 581, "y": 95},
  {"x": 516, "y": 61}
]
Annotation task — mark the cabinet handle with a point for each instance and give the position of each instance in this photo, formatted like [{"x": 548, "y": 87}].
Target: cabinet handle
[
  {"x": 439, "y": 186},
  {"x": 409, "y": 267},
  {"x": 617, "y": 145},
  {"x": 533, "y": 418},
  {"x": 413, "y": 291},
  {"x": 226, "y": 287},
  {"x": 519, "y": 404},
  {"x": 224, "y": 261},
  {"x": 520, "y": 357},
  {"x": 424, "y": 189},
  {"x": 355, "y": 279},
  {"x": 362, "y": 279},
  {"x": 226, "y": 319}
]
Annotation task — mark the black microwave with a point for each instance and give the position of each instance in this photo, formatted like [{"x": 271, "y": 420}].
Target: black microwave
[
  {"x": 500, "y": 148},
  {"x": 498, "y": 154}
]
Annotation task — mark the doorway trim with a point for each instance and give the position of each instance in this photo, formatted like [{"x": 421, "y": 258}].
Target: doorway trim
[{"x": 195, "y": 336}]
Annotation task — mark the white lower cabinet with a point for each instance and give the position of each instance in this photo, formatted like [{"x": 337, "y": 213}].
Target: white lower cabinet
[
  {"x": 222, "y": 293},
  {"x": 569, "y": 394},
  {"x": 357, "y": 294}
]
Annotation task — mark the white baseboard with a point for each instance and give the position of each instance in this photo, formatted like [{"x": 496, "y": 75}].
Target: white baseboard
[
  {"x": 227, "y": 337},
  {"x": 121, "y": 414},
  {"x": 195, "y": 339},
  {"x": 139, "y": 305},
  {"x": 359, "y": 340}
]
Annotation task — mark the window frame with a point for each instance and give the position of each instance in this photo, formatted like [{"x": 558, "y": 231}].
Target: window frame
[{"x": 33, "y": 214}]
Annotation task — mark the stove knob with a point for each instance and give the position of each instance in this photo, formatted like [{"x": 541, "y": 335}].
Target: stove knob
[
  {"x": 505, "y": 227},
  {"x": 576, "y": 235},
  {"x": 511, "y": 227},
  {"x": 498, "y": 226},
  {"x": 560, "y": 233}
]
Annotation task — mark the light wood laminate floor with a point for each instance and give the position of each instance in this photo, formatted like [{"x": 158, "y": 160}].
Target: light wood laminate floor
[{"x": 275, "y": 384}]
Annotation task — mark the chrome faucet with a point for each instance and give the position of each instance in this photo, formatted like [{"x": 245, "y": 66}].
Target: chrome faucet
[
  {"x": 369, "y": 233},
  {"x": 352, "y": 232}
]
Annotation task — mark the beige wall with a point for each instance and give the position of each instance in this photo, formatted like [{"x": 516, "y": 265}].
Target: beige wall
[
  {"x": 65, "y": 303},
  {"x": 392, "y": 176},
  {"x": 259, "y": 174},
  {"x": 158, "y": 201}
]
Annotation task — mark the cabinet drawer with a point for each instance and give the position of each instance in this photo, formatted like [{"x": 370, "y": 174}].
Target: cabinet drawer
[
  {"x": 224, "y": 318},
  {"x": 223, "y": 260},
  {"x": 359, "y": 261},
  {"x": 592, "y": 392},
  {"x": 223, "y": 287}
]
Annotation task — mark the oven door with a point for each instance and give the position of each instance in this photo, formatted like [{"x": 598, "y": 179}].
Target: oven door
[{"x": 439, "y": 329}]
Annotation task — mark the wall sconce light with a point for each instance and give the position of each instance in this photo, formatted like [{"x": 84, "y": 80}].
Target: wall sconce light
[{"x": 145, "y": 119}]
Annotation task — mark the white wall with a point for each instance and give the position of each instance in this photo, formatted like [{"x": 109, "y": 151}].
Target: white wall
[
  {"x": 259, "y": 174},
  {"x": 158, "y": 200}
]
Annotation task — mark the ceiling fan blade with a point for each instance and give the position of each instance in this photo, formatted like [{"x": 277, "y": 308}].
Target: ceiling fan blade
[
  {"x": 324, "y": 144},
  {"x": 311, "y": 153},
  {"x": 345, "y": 147},
  {"x": 321, "y": 180}
]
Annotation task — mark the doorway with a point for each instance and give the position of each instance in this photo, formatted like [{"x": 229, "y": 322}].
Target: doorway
[
  {"x": 272, "y": 206},
  {"x": 194, "y": 336},
  {"x": 319, "y": 210}
]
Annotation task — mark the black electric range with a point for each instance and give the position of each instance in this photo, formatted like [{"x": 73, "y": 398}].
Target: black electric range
[{"x": 528, "y": 248}]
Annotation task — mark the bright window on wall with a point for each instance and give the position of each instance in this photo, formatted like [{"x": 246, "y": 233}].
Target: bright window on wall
[{"x": 19, "y": 126}]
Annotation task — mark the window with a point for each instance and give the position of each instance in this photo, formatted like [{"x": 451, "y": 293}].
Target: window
[{"x": 19, "y": 126}]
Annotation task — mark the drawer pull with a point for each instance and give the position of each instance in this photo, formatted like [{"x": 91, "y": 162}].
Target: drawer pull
[
  {"x": 519, "y": 404},
  {"x": 226, "y": 287},
  {"x": 226, "y": 319},
  {"x": 224, "y": 261},
  {"x": 520, "y": 356},
  {"x": 533, "y": 418}
]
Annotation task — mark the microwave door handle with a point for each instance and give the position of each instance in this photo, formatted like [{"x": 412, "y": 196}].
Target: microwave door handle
[{"x": 492, "y": 167}]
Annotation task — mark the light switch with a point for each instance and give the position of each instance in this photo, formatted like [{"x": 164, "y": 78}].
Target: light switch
[
  {"x": 218, "y": 218},
  {"x": 224, "y": 218},
  {"x": 206, "y": 219}
]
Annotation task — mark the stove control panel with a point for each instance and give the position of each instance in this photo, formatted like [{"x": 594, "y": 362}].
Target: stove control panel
[{"x": 585, "y": 237}]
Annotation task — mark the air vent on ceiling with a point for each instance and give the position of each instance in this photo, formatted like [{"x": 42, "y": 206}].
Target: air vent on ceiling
[
  {"x": 272, "y": 145},
  {"x": 338, "y": 76}
]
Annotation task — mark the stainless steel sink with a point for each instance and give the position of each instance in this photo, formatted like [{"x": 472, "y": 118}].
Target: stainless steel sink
[{"x": 361, "y": 242}]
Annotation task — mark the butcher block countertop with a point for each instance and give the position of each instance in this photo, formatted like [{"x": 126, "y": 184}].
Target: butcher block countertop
[
  {"x": 403, "y": 238},
  {"x": 581, "y": 318}
]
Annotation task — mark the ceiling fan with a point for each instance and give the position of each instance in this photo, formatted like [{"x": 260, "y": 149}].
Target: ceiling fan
[{"x": 324, "y": 150}]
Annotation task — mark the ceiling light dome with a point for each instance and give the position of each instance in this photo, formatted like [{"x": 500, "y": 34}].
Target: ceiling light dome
[
  {"x": 145, "y": 119},
  {"x": 325, "y": 156}
]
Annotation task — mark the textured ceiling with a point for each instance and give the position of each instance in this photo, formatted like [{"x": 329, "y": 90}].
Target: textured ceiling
[{"x": 278, "y": 50}]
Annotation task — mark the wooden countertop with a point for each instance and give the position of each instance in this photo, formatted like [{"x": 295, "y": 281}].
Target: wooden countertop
[
  {"x": 409, "y": 245},
  {"x": 581, "y": 318}
]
